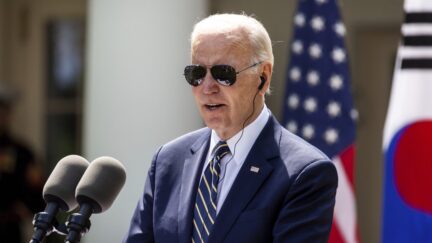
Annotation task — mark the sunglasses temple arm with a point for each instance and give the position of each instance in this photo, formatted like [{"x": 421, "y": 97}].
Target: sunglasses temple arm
[{"x": 251, "y": 66}]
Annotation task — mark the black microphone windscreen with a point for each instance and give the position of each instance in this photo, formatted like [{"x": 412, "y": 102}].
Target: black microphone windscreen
[
  {"x": 101, "y": 183},
  {"x": 61, "y": 184}
]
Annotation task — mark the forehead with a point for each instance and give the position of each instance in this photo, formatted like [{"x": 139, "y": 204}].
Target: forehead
[{"x": 227, "y": 47}]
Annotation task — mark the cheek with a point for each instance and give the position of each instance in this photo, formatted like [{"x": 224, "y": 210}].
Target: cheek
[
  {"x": 195, "y": 93},
  {"x": 241, "y": 103}
]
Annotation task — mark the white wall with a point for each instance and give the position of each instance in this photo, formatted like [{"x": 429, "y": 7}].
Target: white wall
[{"x": 136, "y": 98}]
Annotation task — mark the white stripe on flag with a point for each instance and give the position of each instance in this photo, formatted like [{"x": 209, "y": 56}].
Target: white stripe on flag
[
  {"x": 418, "y": 6},
  {"x": 416, "y": 29},
  {"x": 415, "y": 52},
  {"x": 345, "y": 209}
]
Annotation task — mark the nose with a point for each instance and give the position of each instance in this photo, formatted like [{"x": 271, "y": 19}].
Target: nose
[{"x": 210, "y": 86}]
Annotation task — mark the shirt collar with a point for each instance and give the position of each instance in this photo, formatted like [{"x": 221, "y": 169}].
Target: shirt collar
[{"x": 240, "y": 144}]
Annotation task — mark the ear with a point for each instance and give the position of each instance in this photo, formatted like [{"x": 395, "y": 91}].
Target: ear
[
  {"x": 266, "y": 74},
  {"x": 263, "y": 80}
]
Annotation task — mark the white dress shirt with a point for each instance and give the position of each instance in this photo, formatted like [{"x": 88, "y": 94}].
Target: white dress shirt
[{"x": 239, "y": 145}]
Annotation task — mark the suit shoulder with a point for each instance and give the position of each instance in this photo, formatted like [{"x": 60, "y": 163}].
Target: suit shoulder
[
  {"x": 186, "y": 141},
  {"x": 298, "y": 153}
]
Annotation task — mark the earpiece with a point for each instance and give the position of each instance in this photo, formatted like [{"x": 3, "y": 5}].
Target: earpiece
[{"x": 263, "y": 80}]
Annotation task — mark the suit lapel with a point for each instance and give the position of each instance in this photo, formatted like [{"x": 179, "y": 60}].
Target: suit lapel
[
  {"x": 248, "y": 182},
  {"x": 191, "y": 173}
]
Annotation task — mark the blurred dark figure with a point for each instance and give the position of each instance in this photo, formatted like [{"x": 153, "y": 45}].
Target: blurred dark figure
[{"x": 21, "y": 178}]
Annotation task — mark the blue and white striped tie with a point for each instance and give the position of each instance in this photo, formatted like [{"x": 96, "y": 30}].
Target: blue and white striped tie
[{"x": 206, "y": 199}]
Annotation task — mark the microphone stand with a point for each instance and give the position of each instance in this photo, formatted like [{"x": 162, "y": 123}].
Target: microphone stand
[
  {"x": 43, "y": 222},
  {"x": 78, "y": 224}
]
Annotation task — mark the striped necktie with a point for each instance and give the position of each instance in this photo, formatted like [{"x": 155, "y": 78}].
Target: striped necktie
[{"x": 206, "y": 199}]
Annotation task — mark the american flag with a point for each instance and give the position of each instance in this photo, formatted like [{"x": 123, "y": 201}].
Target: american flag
[{"x": 318, "y": 102}]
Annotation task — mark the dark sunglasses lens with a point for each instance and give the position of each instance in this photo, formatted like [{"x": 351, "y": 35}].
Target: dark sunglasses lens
[
  {"x": 194, "y": 74},
  {"x": 224, "y": 74}
]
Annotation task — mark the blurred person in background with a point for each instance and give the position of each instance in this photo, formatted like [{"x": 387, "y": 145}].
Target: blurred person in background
[{"x": 21, "y": 178}]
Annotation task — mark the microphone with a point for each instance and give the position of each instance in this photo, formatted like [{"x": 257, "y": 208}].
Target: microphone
[
  {"x": 58, "y": 193},
  {"x": 95, "y": 193}
]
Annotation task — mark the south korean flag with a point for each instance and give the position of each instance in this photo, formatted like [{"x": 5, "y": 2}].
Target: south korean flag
[{"x": 407, "y": 202}]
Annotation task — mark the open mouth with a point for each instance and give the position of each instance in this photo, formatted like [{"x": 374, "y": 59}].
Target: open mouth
[{"x": 213, "y": 106}]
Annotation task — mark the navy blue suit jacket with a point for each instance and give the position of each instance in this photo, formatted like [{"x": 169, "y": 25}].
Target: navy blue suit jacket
[{"x": 290, "y": 199}]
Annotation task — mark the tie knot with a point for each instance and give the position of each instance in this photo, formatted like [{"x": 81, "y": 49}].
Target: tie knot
[{"x": 221, "y": 149}]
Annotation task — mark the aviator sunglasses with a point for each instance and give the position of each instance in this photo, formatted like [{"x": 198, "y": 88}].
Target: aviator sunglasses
[{"x": 223, "y": 74}]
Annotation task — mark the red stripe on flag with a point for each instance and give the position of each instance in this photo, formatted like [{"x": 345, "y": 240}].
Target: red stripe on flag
[
  {"x": 335, "y": 236},
  {"x": 347, "y": 158}
]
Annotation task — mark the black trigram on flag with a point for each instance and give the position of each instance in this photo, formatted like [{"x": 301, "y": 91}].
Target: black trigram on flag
[{"x": 417, "y": 40}]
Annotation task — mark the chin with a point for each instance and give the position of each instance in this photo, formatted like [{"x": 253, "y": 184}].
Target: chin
[
  {"x": 215, "y": 124},
  {"x": 212, "y": 124}
]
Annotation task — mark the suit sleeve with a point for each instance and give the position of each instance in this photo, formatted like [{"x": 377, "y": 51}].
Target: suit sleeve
[
  {"x": 141, "y": 226},
  {"x": 307, "y": 213}
]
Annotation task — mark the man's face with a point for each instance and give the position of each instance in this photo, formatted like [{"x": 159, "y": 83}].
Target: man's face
[{"x": 225, "y": 108}]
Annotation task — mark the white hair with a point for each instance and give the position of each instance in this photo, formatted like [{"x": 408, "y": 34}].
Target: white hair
[{"x": 238, "y": 28}]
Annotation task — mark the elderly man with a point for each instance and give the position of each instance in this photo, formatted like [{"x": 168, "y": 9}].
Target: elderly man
[{"x": 243, "y": 178}]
